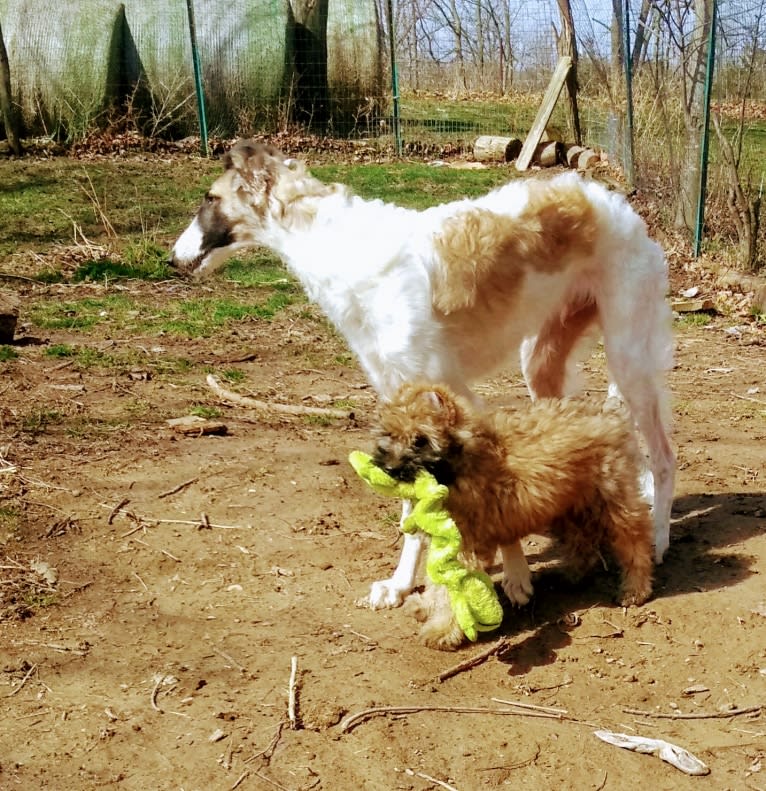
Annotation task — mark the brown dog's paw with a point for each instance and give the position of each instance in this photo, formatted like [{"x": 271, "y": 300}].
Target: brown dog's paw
[
  {"x": 635, "y": 596},
  {"x": 441, "y": 635}
]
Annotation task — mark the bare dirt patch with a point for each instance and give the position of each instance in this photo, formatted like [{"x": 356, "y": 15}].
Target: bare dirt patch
[{"x": 156, "y": 586}]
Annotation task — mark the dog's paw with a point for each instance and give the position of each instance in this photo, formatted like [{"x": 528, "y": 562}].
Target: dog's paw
[
  {"x": 518, "y": 590},
  {"x": 442, "y": 635},
  {"x": 385, "y": 594},
  {"x": 635, "y": 596}
]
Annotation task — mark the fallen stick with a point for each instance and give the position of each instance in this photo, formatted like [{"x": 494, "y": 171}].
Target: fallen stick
[
  {"x": 748, "y": 398},
  {"x": 712, "y": 715},
  {"x": 117, "y": 509},
  {"x": 476, "y": 659},
  {"x": 530, "y": 706},
  {"x": 424, "y": 776},
  {"x": 23, "y": 681},
  {"x": 178, "y": 488},
  {"x": 158, "y": 521},
  {"x": 265, "y": 406},
  {"x": 350, "y": 722},
  {"x": 291, "y": 695}
]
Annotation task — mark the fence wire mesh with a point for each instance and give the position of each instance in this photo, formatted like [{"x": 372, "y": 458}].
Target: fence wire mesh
[{"x": 464, "y": 68}]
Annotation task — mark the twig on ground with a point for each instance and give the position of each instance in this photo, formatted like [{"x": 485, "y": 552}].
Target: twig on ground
[
  {"x": 424, "y": 776},
  {"x": 350, "y": 722},
  {"x": 711, "y": 715},
  {"x": 158, "y": 521},
  {"x": 234, "y": 662},
  {"x": 268, "y": 751},
  {"x": 23, "y": 681},
  {"x": 748, "y": 398},
  {"x": 530, "y": 706},
  {"x": 272, "y": 782},
  {"x": 476, "y": 659},
  {"x": 117, "y": 509},
  {"x": 292, "y": 693},
  {"x": 517, "y": 765},
  {"x": 178, "y": 488},
  {"x": 153, "y": 697},
  {"x": 265, "y": 406},
  {"x": 239, "y": 780}
]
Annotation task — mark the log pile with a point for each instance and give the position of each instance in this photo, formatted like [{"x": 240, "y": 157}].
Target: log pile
[{"x": 494, "y": 148}]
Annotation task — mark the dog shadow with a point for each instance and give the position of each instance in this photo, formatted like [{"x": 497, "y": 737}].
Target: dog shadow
[
  {"x": 707, "y": 536},
  {"x": 706, "y": 554}
]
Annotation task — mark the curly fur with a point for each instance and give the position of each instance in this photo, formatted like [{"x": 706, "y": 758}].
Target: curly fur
[{"x": 567, "y": 468}]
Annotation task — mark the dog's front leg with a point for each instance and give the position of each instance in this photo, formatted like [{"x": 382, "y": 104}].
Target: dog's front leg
[
  {"x": 392, "y": 592},
  {"x": 517, "y": 580}
]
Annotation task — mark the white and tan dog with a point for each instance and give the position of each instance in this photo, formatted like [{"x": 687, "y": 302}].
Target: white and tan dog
[{"x": 450, "y": 294}]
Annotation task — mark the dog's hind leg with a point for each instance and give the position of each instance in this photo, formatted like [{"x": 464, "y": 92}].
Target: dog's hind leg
[
  {"x": 628, "y": 530},
  {"x": 638, "y": 351},
  {"x": 549, "y": 359},
  {"x": 393, "y": 591}
]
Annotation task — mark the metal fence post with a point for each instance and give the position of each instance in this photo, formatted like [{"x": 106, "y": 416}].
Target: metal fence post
[
  {"x": 198, "y": 80},
  {"x": 396, "y": 120},
  {"x": 630, "y": 173},
  {"x": 705, "y": 147}
]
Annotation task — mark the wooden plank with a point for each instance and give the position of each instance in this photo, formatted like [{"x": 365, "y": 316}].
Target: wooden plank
[{"x": 544, "y": 113}]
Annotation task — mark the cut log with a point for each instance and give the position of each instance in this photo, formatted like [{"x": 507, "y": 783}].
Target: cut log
[
  {"x": 693, "y": 305},
  {"x": 548, "y": 154},
  {"x": 9, "y": 314},
  {"x": 588, "y": 159},
  {"x": 489, "y": 148},
  {"x": 572, "y": 154}
]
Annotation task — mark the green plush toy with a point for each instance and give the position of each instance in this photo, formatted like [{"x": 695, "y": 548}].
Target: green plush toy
[{"x": 472, "y": 594}]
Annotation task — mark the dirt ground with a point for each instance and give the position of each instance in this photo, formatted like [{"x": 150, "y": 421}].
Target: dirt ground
[{"x": 156, "y": 587}]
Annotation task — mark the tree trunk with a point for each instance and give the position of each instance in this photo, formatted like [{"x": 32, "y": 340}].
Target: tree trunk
[
  {"x": 457, "y": 32},
  {"x": 10, "y": 116},
  {"x": 312, "y": 101},
  {"x": 641, "y": 41},
  {"x": 568, "y": 46}
]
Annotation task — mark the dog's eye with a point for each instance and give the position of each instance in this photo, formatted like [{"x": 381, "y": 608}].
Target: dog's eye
[
  {"x": 210, "y": 198},
  {"x": 420, "y": 441}
]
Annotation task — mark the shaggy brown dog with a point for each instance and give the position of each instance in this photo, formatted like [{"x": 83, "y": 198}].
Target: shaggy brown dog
[{"x": 564, "y": 467}]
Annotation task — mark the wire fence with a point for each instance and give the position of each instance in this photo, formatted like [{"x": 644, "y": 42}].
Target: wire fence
[{"x": 416, "y": 75}]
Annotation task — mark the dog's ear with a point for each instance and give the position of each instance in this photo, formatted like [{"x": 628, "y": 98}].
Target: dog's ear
[
  {"x": 256, "y": 164},
  {"x": 442, "y": 401}
]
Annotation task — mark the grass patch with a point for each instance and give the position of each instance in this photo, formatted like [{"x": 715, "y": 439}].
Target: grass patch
[
  {"x": 60, "y": 350},
  {"x": 233, "y": 375},
  {"x": 260, "y": 269},
  {"x": 192, "y": 318},
  {"x": 416, "y": 186},
  {"x": 199, "y": 318},
  {"x": 108, "y": 269},
  {"x": 80, "y": 314},
  {"x": 207, "y": 412},
  {"x": 691, "y": 320},
  {"x": 7, "y": 353},
  {"x": 39, "y": 420}
]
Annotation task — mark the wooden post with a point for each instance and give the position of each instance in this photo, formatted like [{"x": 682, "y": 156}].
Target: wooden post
[{"x": 544, "y": 113}]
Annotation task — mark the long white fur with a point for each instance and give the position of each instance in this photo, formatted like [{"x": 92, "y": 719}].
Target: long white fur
[{"x": 369, "y": 265}]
